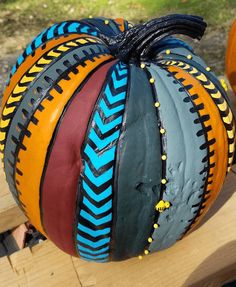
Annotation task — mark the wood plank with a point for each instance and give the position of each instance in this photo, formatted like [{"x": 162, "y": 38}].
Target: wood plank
[
  {"x": 10, "y": 214},
  {"x": 205, "y": 258}
]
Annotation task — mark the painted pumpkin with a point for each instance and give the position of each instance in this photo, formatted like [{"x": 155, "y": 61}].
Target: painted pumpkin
[
  {"x": 231, "y": 56},
  {"x": 115, "y": 139}
]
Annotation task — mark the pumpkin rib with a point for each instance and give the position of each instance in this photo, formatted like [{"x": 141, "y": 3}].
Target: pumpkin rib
[
  {"x": 33, "y": 94},
  {"x": 30, "y": 61},
  {"x": 218, "y": 161},
  {"x": 97, "y": 175},
  {"x": 35, "y": 158},
  {"x": 59, "y": 193},
  {"x": 183, "y": 167},
  {"x": 217, "y": 94},
  {"x": 139, "y": 158},
  {"x": 59, "y": 29},
  {"x": 231, "y": 56},
  {"x": 29, "y": 77}
]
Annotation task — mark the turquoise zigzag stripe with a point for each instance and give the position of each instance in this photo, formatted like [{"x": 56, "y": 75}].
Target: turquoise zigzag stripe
[
  {"x": 51, "y": 32},
  {"x": 95, "y": 214}
]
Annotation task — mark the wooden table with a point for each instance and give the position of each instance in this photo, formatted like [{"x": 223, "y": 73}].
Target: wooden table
[{"x": 207, "y": 257}]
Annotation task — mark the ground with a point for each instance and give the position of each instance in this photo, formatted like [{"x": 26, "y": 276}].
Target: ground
[{"x": 21, "y": 20}]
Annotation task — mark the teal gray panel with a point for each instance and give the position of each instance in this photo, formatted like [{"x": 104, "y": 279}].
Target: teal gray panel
[
  {"x": 138, "y": 172},
  {"x": 184, "y": 160},
  {"x": 34, "y": 93}
]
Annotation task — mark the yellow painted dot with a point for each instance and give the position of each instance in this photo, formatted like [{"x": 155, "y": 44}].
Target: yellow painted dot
[
  {"x": 146, "y": 252},
  {"x": 130, "y": 25},
  {"x": 164, "y": 157},
  {"x": 106, "y": 22},
  {"x": 168, "y": 52},
  {"x": 152, "y": 81},
  {"x": 140, "y": 257},
  {"x": 90, "y": 16},
  {"x": 229, "y": 169},
  {"x": 167, "y": 204},
  {"x": 157, "y": 104},
  {"x": 189, "y": 57},
  {"x": 162, "y": 131},
  {"x": 142, "y": 66},
  {"x": 155, "y": 225},
  {"x": 150, "y": 239},
  {"x": 163, "y": 181},
  {"x": 208, "y": 69}
]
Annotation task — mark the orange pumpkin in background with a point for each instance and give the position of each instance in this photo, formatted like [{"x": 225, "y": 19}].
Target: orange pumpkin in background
[{"x": 231, "y": 57}]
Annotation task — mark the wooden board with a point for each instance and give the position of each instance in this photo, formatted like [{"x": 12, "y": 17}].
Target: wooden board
[
  {"x": 10, "y": 214},
  {"x": 207, "y": 257}
]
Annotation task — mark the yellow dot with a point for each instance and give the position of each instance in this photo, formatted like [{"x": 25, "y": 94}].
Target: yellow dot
[
  {"x": 140, "y": 257},
  {"x": 162, "y": 131},
  {"x": 163, "y": 181},
  {"x": 168, "y": 52},
  {"x": 130, "y": 25},
  {"x": 150, "y": 239},
  {"x": 90, "y": 16},
  {"x": 157, "y": 104},
  {"x": 142, "y": 66},
  {"x": 167, "y": 204},
  {"x": 146, "y": 252},
  {"x": 106, "y": 22},
  {"x": 229, "y": 169},
  {"x": 151, "y": 80},
  {"x": 155, "y": 225},
  {"x": 208, "y": 69},
  {"x": 164, "y": 157},
  {"x": 189, "y": 57}
]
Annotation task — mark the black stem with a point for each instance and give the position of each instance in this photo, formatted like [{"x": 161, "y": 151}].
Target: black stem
[{"x": 137, "y": 42}]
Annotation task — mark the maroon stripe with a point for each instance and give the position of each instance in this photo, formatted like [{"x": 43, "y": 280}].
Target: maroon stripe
[{"x": 59, "y": 189}]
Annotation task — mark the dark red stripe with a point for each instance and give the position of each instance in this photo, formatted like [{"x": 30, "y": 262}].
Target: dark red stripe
[{"x": 60, "y": 184}]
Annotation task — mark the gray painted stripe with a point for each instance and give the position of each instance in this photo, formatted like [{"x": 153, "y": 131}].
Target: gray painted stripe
[
  {"x": 184, "y": 160},
  {"x": 139, "y": 169}
]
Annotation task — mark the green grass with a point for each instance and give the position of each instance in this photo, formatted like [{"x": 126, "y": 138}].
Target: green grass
[
  {"x": 22, "y": 20},
  {"x": 23, "y": 16}
]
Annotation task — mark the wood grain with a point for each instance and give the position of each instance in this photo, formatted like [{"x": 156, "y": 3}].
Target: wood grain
[{"x": 10, "y": 214}]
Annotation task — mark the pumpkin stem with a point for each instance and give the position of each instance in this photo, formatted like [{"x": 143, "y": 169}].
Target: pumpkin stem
[{"x": 137, "y": 42}]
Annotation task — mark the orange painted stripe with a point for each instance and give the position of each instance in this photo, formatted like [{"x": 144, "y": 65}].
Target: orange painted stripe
[
  {"x": 33, "y": 159},
  {"x": 31, "y": 60},
  {"x": 218, "y": 132},
  {"x": 231, "y": 57},
  {"x": 121, "y": 23}
]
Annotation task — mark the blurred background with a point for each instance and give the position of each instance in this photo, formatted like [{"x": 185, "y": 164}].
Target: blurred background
[{"x": 22, "y": 20}]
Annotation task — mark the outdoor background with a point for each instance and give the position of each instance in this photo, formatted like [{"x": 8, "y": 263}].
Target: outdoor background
[{"x": 22, "y": 20}]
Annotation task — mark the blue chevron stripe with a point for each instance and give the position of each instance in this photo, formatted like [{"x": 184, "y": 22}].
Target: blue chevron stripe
[
  {"x": 97, "y": 210},
  {"x": 101, "y": 143},
  {"x": 100, "y": 160},
  {"x": 106, "y": 127},
  {"x": 102, "y": 250},
  {"x": 97, "y": 260},
  {"x": 92, "y": 244},
  {"x": 98, "y": 181},
  {"x": 101, "y": 256},
  {"x": 97, "y": 197},
  {"x": 74, "y": 27},
  {"x": 99, "y": 155},
  {"x": 114, "y": 99},
  {"x": 109, "y": 112},
  {"x": 118, "y": 83},
  {"x": 94, "y": 220},
  {"x": 94, "y": 233}
]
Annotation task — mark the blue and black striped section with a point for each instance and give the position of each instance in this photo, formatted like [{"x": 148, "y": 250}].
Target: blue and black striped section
[
  {"x": 95, "y": 210},
  {"x": 66, "y": 27}
]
